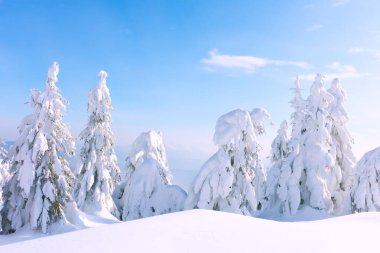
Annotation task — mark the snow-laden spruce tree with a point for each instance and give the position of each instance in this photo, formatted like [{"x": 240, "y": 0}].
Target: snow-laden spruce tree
[
  {"x": 4, "y": 167},
  {"x": 279, "y": 152},
  {"x": 231, "y": 180},
  {"x": 341, "y": 147},
  {"x": 4, "y": 170},
  {"x": 40, "y": 187},
  {"x": 310, "y": 176},
  {"x": 99, "y": 171},
  {"x": 366, "y": 184},
  {"x": 147, "y": 189},
  {"x": 321, "y": 180},
  {"x": 286, "y": 194}
]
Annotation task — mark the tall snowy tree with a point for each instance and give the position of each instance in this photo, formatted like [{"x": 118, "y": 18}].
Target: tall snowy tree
[
  {"x": 279, "y": 152},
  {"x": 286, "y": 191},
  {"x": 230, "y": 180},
  {"x": 366, "y": 184},
  {"x": 99, "y": 171},
  {"x": 4, "y": 171},
  {"x": 4, "y": 166},
  {"x": 311, "y": 176},
  {"x": 147, "y": 189},
  {"x": 41, "y": 182},
  {"x": 341, "y": 148}
]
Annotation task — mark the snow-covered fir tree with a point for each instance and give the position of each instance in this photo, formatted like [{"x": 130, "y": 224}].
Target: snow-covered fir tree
[
  {"x": 4, "y": 166},
  {"x": 230, "y": 180},
  {"x": 41, "y": 182},
  {"x": 366, "y": 184},
  {"x": 99, "y": 171},
  {"x": 341, "y": 148},
  {"x": 279, "y": 152},
  {"x": 4, "y": 170},
  {"x": 258, "y": 117},
  {"x": 311, "y": 176},
  {"x": 147, "y": 189},
  {"x": 320, "y": 179},
  {"x": 292, "y": 169}
]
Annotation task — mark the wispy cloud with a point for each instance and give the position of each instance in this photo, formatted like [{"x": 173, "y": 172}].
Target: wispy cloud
[
  {"x": 313, "y": 28},
  {"x": 245, "y": 63},
  {"x": 337, "y": 70},
  {"x": 373, "y": 52},
  {"x": 337, "y": 3}
]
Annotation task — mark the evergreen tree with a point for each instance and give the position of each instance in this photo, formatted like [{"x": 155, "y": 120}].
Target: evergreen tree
[
  {"x": 310, "y": 176},
  {"x": 341, "y": 149},
  {"x": 147, "y": 189},
  {"x": 41, "y": 182},
  {"x": 279, "y": 152},
  {"x": 366, "y": 184},
  {"x": 99, "y": 171},
  {"x": 4, "y": 171},
  {"x": 230, "y": 180},
  {"x": 288, "y": 191}
]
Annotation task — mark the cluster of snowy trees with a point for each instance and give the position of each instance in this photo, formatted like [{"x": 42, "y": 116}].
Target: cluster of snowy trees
[{"x": 312, "y": 165}]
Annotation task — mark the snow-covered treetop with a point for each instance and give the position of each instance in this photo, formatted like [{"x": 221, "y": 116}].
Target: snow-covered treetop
[
  {"x": 230, "y": 126},
  {"x": 99, "y": 103},
  {"x": 258, "y": 117},
  {"x": 319, "y": 98},
  {"x": 149, "y": 145},
  {"x": 280, "y": 143},
  {"x": 53, "y": 73},
  {"x": 336, "y": 108},
  {"x": 297, "y": 102}
]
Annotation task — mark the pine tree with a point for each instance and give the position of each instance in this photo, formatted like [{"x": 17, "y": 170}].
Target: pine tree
[
  {"x": 147, "y": 189},
  {"x": 4, "y": 167},
  {"x": 341, "y": 149},
  {"x": 99, "y": 171},
  {"x": 366, "y": 184},
  {"x": 287, "y": 195},
  {"x": 230, "y": 180},
  {"x": 41, "y": 182},
  {"x": 279, "y": 152},
  {"x": 310, "y": 176},
  {"x": 316, "y": 150},
  {"x": 4, "y": 171}
]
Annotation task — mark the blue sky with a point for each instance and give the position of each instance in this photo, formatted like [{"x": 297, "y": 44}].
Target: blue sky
[{"x": 176, "y": 66}]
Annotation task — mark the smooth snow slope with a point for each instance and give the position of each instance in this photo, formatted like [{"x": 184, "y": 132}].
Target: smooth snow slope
[{"x": 209, "y": 231}]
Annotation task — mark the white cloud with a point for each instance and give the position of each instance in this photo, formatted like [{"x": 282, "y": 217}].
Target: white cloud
[
  {"x": 246, "y": 63},
  {"x": 337, "y": 3},
  {"x": 313, "y": 28},
  {"x": 336, "y": 70},
  {"x": 373, "y": 52}
]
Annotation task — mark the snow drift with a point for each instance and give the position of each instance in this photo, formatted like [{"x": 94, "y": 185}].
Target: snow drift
[{"x": 210, "y": 231}]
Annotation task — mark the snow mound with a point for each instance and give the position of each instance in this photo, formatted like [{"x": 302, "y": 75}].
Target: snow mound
[
  {"x": 210, "y": 231},
  {"x": 365, "y": 192}
]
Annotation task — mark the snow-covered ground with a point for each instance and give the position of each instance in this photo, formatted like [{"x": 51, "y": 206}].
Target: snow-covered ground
[{"x": 209, "y": 231}]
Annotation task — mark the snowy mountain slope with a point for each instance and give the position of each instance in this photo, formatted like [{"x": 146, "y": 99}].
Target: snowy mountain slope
[{"x": 210, "y": 231}]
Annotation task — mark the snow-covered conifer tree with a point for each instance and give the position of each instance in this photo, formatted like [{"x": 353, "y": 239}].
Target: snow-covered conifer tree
[
  {"x": 286, "y": 192},
  {"x": 341, "y": 148},
  {"x": 310, "y": 176},
  {"x": 4, "y": 173},
  {"x": 147, "y": 189},
  {"x": 4, "y": 166},
  {"x": 230, "y": 180},
  {"x": 41, "y": 182},
  {"x": 99, "y": 171},
  {"x": 366, "y": 184},
  {"x": 320, "y": 180},
  {"x": 279, "y": 152}
]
